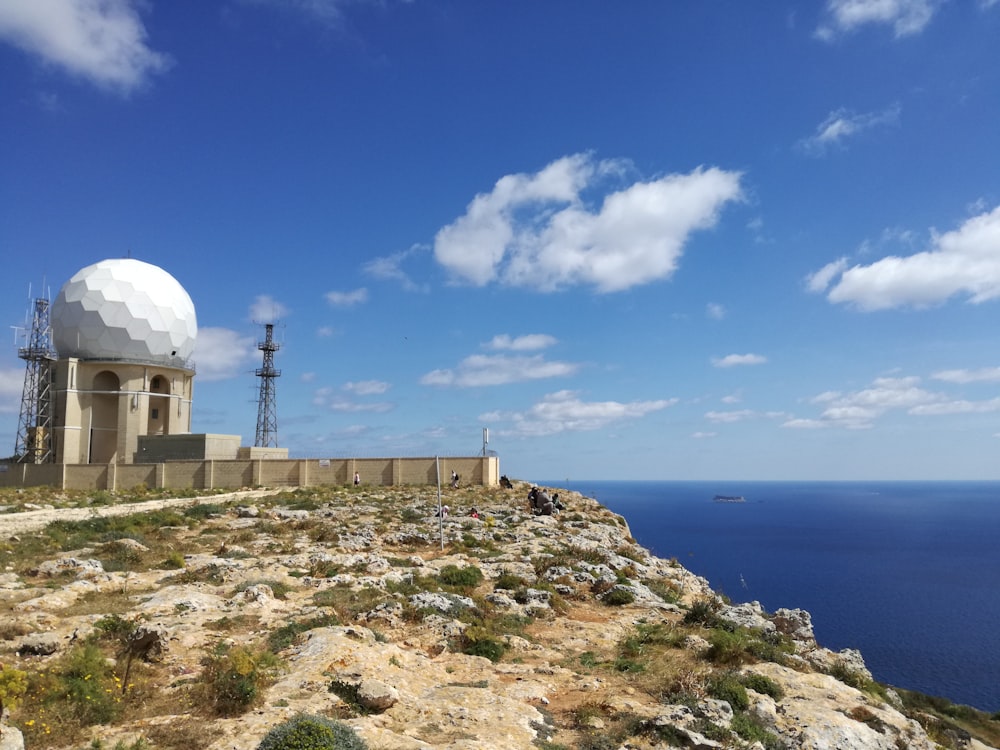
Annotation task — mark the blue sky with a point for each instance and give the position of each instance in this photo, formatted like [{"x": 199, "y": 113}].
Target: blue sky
[{"x": 719, "y": 240}]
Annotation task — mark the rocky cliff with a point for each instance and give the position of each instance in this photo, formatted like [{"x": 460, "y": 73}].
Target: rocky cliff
[{"x": 203, "y": 623}]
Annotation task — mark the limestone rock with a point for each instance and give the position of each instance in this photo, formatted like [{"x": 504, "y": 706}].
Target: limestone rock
[
  {"x": 376, "y": 696},
  {"x": 40, "y": 644}
]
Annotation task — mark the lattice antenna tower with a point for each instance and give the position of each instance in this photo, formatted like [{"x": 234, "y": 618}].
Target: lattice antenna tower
[
  {"x": 34, "y": 427},
  {"x": 267, "y": 414}
]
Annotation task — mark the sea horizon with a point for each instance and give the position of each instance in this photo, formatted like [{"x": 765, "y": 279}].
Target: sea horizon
[{"x": 906, "y": 571}]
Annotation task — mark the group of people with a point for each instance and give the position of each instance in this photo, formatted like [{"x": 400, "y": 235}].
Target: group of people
[{"x": 542, "y": 504}]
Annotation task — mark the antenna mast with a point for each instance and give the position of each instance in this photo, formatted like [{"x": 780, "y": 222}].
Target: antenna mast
[
  {"x": 34, "y": 427},
  {"x": 267, "y": 419}
]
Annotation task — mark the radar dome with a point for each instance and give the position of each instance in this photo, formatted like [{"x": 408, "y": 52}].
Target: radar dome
[{"x": 124, "y": 309}]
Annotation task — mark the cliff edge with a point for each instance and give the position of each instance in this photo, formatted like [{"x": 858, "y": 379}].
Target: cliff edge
[{"x": 203, "y": 623}]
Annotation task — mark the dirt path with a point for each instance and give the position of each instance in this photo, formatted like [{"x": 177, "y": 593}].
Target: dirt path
[{"x": 12, "y": 524}]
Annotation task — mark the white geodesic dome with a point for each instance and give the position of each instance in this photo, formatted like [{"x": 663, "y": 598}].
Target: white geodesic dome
[{"x": 124, "y": 309}]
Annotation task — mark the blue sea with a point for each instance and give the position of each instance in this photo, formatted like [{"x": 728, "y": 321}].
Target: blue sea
[{"x": 906, "y": 572}]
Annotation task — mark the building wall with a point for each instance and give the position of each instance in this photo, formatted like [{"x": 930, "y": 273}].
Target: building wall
[
  {"x": 237, "y": 473},
  {"x": 154, "y": 449},
  {"x": 101, "y": 408}
]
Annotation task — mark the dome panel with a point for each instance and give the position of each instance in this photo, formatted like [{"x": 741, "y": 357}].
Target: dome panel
[{"x": 124, "y": 309}]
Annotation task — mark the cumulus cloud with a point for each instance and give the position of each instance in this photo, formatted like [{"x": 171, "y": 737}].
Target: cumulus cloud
[
  {"x": 858, "y": 410},
  {"x": 820, "y": 280},
  {"x": 841, "y": 125},
  {"x": 325, "y": 398},
  {"x": 347, "y": 299},
  {"x": 366, "y": 387},
  {"x": 221, "y": 353},
  {"x": 906, "y": 17},
  {"x": 964, "y": 261},
  {"x": 537, "y": 231},
  {"x": 738, "y": 360},
  {"x": 741, "y": 415},
  {"x": 102, "y": 41},
  {"x": 564, "y": 411},
  {"x": 266, "y": 309},
  {"x": 982, "y": 375},
  {"x": 500, "y": 369},
  {"x": 390, "y": 268},
  {"x": 715, "y": 311},
  {"x": 526, "y": 343}
]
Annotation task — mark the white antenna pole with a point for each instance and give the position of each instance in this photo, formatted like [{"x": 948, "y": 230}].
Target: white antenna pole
[{"x": 437, "y": 470}]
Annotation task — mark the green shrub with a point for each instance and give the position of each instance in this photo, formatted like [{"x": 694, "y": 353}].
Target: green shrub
[
  {"x": 728, "y": 647},
  {"x": 750, "y": 729},
  {"x": 236, "y": 679},
  {"x": 509, "y": 581},
  {"x": 618, "y": 596},
  {"x": 13, "y": 685},
  {"x": 703, "y": 612},
  {"x": 763, "y": 685},
  {"x": 467, "y": 577},
  {"x": 477, "y": 641},
  {"x": 727, "y": 687},
  {"x": 305, "y": 732},
  {"x": 89, "y": 685},
  {"x": 201, "y": 511}
]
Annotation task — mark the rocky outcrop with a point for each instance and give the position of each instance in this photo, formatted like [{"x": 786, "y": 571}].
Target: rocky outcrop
[{"x": 380, "y": 640}]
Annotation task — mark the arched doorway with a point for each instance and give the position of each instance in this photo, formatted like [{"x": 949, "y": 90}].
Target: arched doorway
[
  {"x": 158, "y": 418},
  {"x": 104, "y": 418}
]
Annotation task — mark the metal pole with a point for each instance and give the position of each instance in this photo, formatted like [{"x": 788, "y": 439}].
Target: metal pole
[{"x": 437, "y": 470}]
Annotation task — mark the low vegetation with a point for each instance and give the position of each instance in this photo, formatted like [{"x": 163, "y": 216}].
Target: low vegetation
[{"x": 325, "y": 557}]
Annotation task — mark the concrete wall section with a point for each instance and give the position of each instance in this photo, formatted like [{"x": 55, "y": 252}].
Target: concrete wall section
[{"x": 234, "y": 474}]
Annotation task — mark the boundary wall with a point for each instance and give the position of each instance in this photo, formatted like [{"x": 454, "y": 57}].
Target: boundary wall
[{"x": 238, "y": 473}]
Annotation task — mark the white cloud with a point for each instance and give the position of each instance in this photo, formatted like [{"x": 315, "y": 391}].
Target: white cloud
[
  {"x": 483, "y": 370},
  {"x": 390, "y": 268},
  {"x": 905, "y": 16},
  {"x": 366, "y": 387},
  {"x": 103, "y": 41},
  {"x": 820, "y": 280},
  {"x": 534, "y": 230},
  {"x": 842, "y": 125},
  {"x": 733, "y": 398},
  {"x": 859, "y": 409},
  {"x": 964, "y": 261},
  {"x": 703, "y": 435},
  {"x": 728, "y": 417},
  {"x": 958, "y": 407},
  {"x": 325, "y": 332},
  {"x": 377, "y": 407},
  {"x": 805, "y": 424},
  {"x": 984, "y": 374},
  {"x": 735, "y": 360},
  {"x": 715, "y": 311},
  {"x": 221, "y": 354},
  {"x": 526, "y": 343},
  {"x": 266, "y": 309},
  {"x": 741, "y": 415},
  {"x": 563, "y": 411},
  {"x": 347, "y": 299}
]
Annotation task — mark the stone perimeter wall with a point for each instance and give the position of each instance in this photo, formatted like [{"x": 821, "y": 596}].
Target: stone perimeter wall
[{"x": 234, "y": 474}]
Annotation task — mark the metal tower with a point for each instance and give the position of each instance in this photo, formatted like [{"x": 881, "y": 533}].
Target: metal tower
[
  {"x": 34, "y": 428},
  {"x": 267, "y": 419}
]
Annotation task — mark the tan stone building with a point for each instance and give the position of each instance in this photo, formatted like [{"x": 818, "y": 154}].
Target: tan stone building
[{"x": 125, "y": 332}]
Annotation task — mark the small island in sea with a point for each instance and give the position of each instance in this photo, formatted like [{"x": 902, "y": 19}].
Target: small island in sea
[{"x": 729, "y": 499}]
